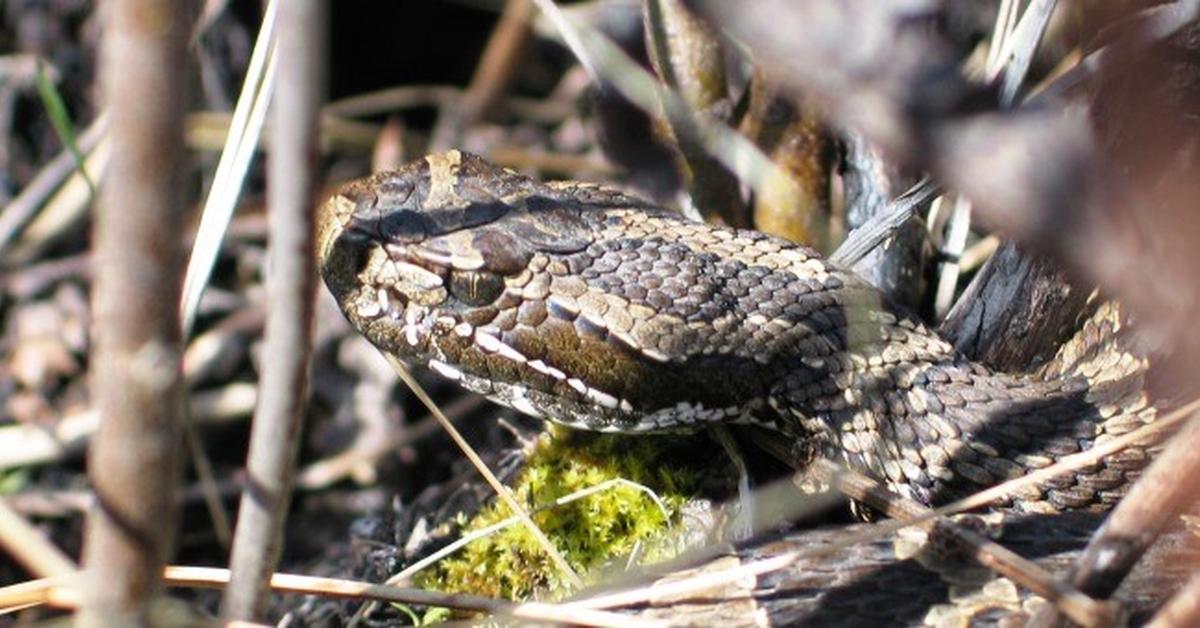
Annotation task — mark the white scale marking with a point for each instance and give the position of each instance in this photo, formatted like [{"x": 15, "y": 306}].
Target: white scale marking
[
  {"x": 546, "y": 369},
  {"x": 492, "y": 344},
  {"x": 655, "y": 354},
  {"x": 521, "y": 403},
  {"x": 602, "y": 398},
  {"x": 445, "y": 370},
  {"x": 487, "y": 342},
  {"x": 368, "y": 309},
  {"x": 417, "y": 276},
  {"x": 412, "y": 319}
]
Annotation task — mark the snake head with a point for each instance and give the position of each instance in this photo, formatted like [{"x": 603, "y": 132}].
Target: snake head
[
  {"x": 411, "y": 252},
  {"x": 435, "y": 263},
  {"x": 568, "y": 301}
]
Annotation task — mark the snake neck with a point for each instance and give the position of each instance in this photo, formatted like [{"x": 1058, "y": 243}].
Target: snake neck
[{"x": 942, "y": 427}]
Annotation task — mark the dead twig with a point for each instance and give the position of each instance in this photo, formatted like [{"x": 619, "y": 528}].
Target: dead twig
[
  {"x": 56, "y": 591},
  {"x": 1075, "y": 604},
  {"x": 30, "y": 547},
  {"x": 275, "y": 435},
  {"x": 1155, "y": 502},
  {"x": 136, "y": 366},
  {"x": 1183, "y": 609}
]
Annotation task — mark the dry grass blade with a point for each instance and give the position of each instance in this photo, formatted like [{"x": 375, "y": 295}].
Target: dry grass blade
[
  {"x": 1024, "y": 41},
  {"x": 56, "y": 591},
  {"x": 1010, "y": 51},
  {"x": 687, "y": 586},
  {"x": 21, "y": 210},
  {"x": 880, "y": 227},
  {"x": 952, "y": 249},
  {"x": 975, "y": 255},
  {"x": 248, "y": 117},
  {"x": 241, "y": 142},
  {"x": 1006, "y": 21},
  {"x": 29, "y": 547},
  {"x": 502, "y": 491},
  {"x": 66, "y": 209}
]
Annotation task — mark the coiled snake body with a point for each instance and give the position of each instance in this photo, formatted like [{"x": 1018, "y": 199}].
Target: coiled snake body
[{"x": 590, "y": 307}]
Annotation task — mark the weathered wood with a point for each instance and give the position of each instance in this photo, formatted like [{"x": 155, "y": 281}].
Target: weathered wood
[{"x": 1016, "y": 312}]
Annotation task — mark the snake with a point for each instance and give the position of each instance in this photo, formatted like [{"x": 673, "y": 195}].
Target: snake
[{"x": 590, "y": 307}]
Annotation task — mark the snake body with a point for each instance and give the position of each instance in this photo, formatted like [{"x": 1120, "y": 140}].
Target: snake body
[{"x": 593, "y": 308}]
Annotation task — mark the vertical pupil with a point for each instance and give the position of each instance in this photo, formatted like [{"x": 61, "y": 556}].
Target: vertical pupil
[{"x": 476, "y": 288}]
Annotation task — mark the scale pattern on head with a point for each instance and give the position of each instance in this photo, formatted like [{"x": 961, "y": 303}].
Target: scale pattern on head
[{"x": 576, "y": 302}]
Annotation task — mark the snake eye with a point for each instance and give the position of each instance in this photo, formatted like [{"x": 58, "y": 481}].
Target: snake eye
[{"x": 474, "y": 287}]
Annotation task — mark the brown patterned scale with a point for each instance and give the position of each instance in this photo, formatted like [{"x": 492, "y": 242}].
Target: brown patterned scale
[{"x": 593, "y": 308}]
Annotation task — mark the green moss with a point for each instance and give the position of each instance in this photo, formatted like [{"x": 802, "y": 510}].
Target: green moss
[{"x": 591, "y": 531}]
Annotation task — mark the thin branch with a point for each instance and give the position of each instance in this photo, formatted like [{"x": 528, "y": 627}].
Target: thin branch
[
  {"x": 30, "y": 547},
  {"x": 1078, "y": 606},
  {"x": 1183, "y": 609},
  {"x": 275, "y": 435},
  {"x": 136, "y": 372},
  {"x": 1157, "y": 499},
  {"x": 55, "y": 591}
]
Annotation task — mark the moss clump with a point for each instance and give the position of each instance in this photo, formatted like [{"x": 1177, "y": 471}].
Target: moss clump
[{"x": 590, "y": 531}]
